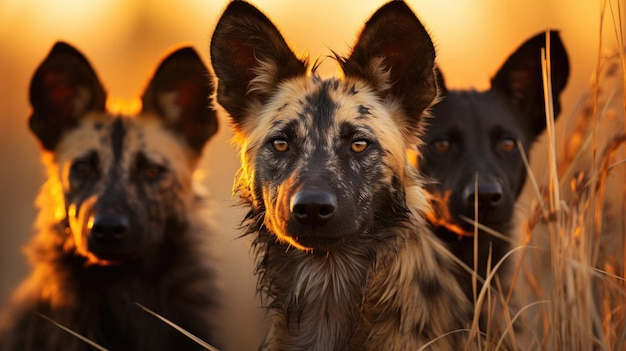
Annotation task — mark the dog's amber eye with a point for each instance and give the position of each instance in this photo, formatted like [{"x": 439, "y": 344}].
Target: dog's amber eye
[
  {"x": 507, "y": 145},
  {"x": 280, "y": 145},
  {"x": 82, "y": 168},
  {"x": 151, "y": 171},
  {"x": 442, "y": 145},
  {"x": 359, "y": 146}
]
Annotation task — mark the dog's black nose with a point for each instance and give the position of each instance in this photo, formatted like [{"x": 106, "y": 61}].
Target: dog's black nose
[
  {"x": 313, "y": 207},
  {"x": 490, "y": 195},
  {"x": 109, "y": 228}
]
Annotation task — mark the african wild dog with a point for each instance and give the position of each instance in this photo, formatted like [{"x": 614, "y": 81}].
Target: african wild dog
[
  {"x": 119, "y": 220},
  {"x": 345, "y": 259},
  {"x": 475, "y": 134}
]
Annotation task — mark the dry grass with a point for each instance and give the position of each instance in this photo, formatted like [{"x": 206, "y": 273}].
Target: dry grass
[
  {"x": 579, "y": 226},
  {"x": 579, "y": 269},
  {"x": 570, "y": 280}
]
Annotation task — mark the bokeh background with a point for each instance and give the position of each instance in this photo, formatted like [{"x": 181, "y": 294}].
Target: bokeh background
[{"x": 124, "y": 40}]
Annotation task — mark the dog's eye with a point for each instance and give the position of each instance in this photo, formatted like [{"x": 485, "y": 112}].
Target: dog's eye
[
  {"x": 280, "y": 145},
  {"x": 359, "y": 146},
  {"x": 152, "y": 171},
  {"x": 83, "y": 169},
  {"x": 442, "y": 145},
  {"x": 507, "y": 145}
]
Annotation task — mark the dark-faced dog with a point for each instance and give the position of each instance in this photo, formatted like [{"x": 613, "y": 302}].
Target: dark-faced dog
[
  {"x": 120, "y": 222},
  {"x": 471, "y": 151},
  {"x": 345, "y": 259}
]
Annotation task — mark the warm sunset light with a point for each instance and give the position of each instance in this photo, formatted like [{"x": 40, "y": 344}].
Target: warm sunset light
[
  {"x": 440, "y": 216},
  {"x": 118, "y": 106},
  {"x": 124, "y": 40}
]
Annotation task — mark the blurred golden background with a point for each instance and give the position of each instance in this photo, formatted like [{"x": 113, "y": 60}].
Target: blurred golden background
[{"x": 124, "y": 40}]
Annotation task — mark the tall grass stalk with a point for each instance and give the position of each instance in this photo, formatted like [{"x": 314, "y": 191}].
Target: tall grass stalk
[
  {"x": 570, "y": 276},
  {"x": 73, "y": 333},
  {"x": 178, "y": 328},
  {"x": 584, "y": 290}
]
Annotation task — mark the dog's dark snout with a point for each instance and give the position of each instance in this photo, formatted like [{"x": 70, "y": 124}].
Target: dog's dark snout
[
  {"x": 489, "y": 194},
  {"x": 313, "y": 207},
  {"x": 109, "y": 227}
]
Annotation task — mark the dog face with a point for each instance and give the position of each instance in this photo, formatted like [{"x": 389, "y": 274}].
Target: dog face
[
  {"x": 472, "y": 141},
  {"x": 323, "y": 160},
  {"x": 119, "y": 182}
]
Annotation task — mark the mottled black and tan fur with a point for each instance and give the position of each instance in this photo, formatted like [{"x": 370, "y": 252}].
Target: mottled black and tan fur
[
  {"x": 345, "y": 259},
  {"x": 120, "y": 222}
]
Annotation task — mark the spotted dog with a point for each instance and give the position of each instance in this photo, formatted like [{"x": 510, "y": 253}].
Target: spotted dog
[{"x": 345, "y": 258}]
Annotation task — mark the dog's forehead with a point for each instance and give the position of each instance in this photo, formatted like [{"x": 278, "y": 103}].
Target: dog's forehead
[
  {"x": 316, "y": 104},
  {"x": 469, "y": 109},
  {"x": 92, "y": 133},
  {"x": 118, "y": 138}
]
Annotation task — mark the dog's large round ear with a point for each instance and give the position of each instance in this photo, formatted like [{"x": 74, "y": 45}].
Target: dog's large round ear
[
  {"x": 520, "y": 79},
  {"x": 63, "y": 88},
  {"x": 179, "y": 93},
  {"x": 395, "y": 54},
  {"x": 250, "y": 57}
]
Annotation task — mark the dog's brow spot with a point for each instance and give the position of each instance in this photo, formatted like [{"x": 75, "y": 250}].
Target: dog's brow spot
[{"x": 98, "y": 125}]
